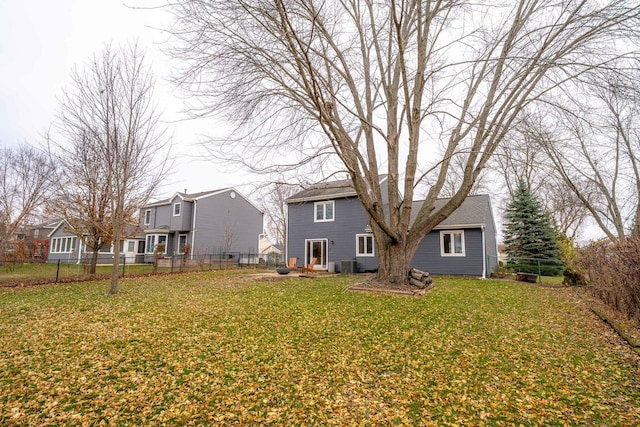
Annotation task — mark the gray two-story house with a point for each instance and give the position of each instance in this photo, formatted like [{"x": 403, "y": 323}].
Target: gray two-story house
[
  {"x": 327, "y": 222},
  {"x": 209, "y": 222}
]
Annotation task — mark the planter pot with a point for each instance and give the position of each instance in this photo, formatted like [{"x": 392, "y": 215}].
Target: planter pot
[{"x": 283, "y": 270}]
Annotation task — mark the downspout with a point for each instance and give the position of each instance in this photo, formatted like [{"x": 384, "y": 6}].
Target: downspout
[
  {"x": 484, "y": 253},
  {"x": 286, "y": 237},
  {"x": 193, "y": 228}
]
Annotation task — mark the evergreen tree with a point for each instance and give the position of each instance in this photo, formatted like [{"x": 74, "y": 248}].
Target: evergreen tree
[{"x": 529, "y": 235}]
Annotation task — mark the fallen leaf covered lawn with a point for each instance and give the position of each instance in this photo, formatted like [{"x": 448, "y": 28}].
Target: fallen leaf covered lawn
[{"x": 217, "y": 348}]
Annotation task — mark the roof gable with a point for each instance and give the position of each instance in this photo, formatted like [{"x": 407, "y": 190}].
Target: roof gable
[
  {"x": 60, "y": 224},
  {"x": 190, "y": 197}
]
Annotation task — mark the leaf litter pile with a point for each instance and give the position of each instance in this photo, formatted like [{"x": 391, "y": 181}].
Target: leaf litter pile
[{"x": 218, "y": 349}]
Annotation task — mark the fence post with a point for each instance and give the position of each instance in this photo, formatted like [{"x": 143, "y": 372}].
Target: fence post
[
  {"x": 124, "y": 264},
  {"x": 539, "y": 273},
  {"x": 57, "y": 271}
]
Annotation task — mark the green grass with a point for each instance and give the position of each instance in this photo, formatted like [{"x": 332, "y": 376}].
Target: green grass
[{"x": 217, "y": 348}]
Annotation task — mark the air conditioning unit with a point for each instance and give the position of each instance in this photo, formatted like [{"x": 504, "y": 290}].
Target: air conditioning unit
[{"x": 348, "y": 267}]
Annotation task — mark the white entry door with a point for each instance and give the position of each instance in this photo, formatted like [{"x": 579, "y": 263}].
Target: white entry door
[
  {"x": 316, "y": 248},
  {"x": 130, "y": 250}
]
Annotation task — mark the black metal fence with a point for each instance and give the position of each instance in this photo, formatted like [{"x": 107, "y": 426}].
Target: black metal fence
[{"x": 15, "y": 273}]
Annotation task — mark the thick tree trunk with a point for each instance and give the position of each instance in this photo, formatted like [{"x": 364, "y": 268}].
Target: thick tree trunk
[{"x": 394, "y": 262}]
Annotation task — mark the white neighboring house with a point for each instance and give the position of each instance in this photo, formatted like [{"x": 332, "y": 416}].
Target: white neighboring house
[{"x": 267, "y": 249}]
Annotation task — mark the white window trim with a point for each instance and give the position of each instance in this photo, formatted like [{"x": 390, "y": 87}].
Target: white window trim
[
  {"x": 307, "y": 255},
  {"x": 150, "y": 250},
  {"x": 452, "y": 254},
  {"x": 186, "y": 242},
  {"x": 373, "y": 245},
  {"x": 324, "y": 211},
  {"x": 63, "y": 245},
  {"x": 147, "y": 219},
  {"x": 179, "y": 205}
]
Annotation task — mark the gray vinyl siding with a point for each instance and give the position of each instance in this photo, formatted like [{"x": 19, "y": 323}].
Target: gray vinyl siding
[
  {"x": 160, "y": 217},
  {"x": 428, "y": 256},
  {"x": 349, "y": 219},
  {"x": 216, "y": 213},
  {"x": 183, "y": 221}
]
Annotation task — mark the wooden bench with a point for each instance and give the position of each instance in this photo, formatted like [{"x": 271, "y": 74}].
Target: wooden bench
[{"x": 527, "y": 277}]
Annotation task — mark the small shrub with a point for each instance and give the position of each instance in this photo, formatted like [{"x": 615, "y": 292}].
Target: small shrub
[{"x": 572, "y": 277}]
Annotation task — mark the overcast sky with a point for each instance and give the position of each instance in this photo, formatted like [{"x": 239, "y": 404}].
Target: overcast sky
[{"x": 42, "y": 40}]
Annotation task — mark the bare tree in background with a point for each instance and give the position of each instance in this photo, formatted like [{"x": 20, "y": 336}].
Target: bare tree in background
[
  {"x": 595, "y": 148},
  {"x": 25, "y": 183},
  {"x": 110, "y": 107},
  {"x": 400, "y": 87},
  {"x": 83, "y": 194},
  {"x": 521, "y": 158},
  {"x": 275, "y": 205},
  {"x": 228, "y": 237}
]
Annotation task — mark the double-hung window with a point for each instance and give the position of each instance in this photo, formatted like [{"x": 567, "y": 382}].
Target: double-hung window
[
  {"x": 323, "y": 211},
  {"x": 176, "y": 209},
  {"x": 364, "y": 245},
  {"x": 452, "y": 243},
  {"x": 147, "y": 217}
]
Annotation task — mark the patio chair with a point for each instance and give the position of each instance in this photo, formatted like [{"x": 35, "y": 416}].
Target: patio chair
[
  {"x": 309, "y": 268},
  {"x": 292, "y": 263}
]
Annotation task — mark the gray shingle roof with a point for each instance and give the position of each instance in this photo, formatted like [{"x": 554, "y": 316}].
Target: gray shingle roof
[
  {"x": 185, "y": 196},
  {"x": 327, "y": 190},
  {"x": 473, "y": 211},
  {"x": 324, "y": 190}
]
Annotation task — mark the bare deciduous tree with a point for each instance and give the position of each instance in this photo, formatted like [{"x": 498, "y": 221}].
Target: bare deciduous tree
[
  {"x": 83, "y": 198},
  {"x": 595, "y": 148},
  {"x": 109, "y": 108},
  {"x": 521, "y": 159},
  {"x": 274, "y": 204},
  {"x": 25, "y": 183},
  {"x": 398, "y": 87},
  {"x": 228, "y": 237}
]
